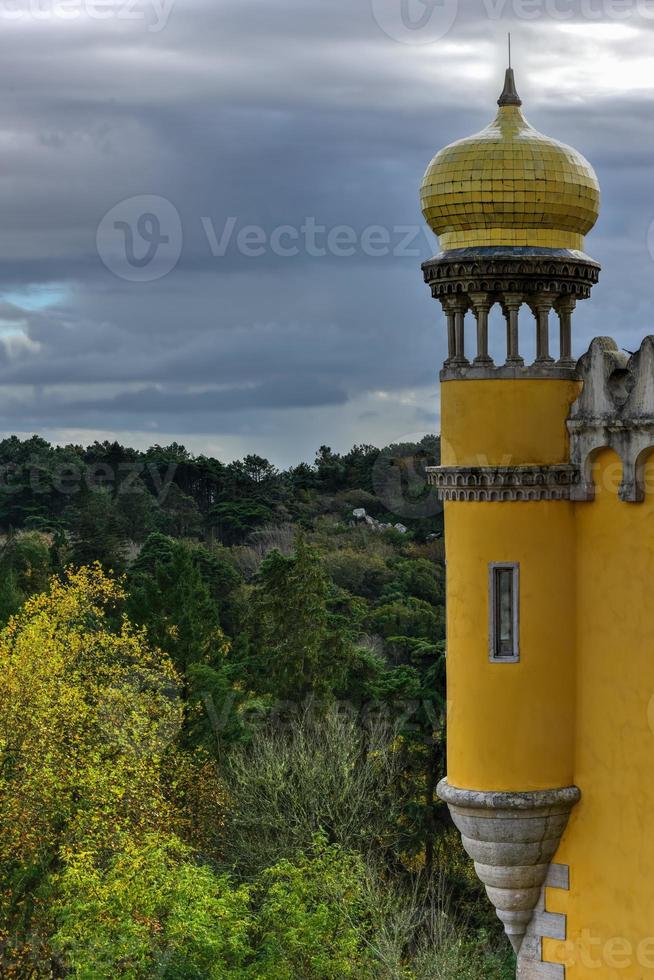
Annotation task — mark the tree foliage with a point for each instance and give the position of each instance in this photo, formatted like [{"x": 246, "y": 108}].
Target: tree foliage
[{"x": 221, "y": 720}]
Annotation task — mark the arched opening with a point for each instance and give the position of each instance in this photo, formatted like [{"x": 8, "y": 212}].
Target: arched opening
[
  {"x": 497, "y": 334},
  {"x": 601, "y": 471},
  {"x": 643, "y": 481}
]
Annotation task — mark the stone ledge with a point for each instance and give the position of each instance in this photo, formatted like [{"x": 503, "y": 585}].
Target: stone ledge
[
  {"x": 508, "y": 372},
  {"x": 473, "y": 799}
]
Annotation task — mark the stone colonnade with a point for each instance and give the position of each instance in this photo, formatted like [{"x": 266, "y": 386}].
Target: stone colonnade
[{"x": 456, "y": 306}]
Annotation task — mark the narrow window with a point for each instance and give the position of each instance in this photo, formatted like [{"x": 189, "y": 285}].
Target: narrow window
[{"x": 504, "y": 619}]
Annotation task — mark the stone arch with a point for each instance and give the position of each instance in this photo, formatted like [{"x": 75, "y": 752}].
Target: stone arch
[
  {"x": 641, "y": 484},
  {"x": 588, "y": 489}
]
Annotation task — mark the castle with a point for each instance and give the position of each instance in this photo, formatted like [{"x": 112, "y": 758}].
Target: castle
[{"x": 547, "y": 476}]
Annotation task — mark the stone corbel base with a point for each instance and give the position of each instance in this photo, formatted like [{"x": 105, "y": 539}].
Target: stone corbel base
[{"x": 512, "y": 838}]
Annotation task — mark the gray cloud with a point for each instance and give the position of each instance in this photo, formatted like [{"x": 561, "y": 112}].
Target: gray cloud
[{"x": 273, "y": 112}]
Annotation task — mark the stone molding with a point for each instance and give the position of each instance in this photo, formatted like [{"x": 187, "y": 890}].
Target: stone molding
[
  {"x": 512, "y": 838},
  {"x": 508, "y": 372},
  {"x": 489, "y": 484},
  {"x": 615, "y": 410}
]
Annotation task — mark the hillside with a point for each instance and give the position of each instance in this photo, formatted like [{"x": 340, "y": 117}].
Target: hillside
[{"x": 239, "y": 677}]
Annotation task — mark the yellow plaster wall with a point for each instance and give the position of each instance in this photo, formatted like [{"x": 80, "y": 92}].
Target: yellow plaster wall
[
  {"x": 609, "y": 844},
  {"x": 505, "y": 423},
  {"x": 511, "y": 726}
]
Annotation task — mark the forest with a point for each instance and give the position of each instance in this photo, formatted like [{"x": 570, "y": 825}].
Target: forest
[{"x": 222, "y": 720}]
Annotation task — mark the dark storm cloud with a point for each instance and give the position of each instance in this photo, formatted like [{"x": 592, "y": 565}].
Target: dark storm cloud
[{"x": 268, "y": 114}]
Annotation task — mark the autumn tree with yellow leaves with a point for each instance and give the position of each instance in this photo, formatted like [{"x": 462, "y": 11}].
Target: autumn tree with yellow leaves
[{"x": 87, "y": 715}]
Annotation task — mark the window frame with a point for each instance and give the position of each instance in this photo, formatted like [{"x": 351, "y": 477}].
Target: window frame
[{"x": 493, "y": 623}]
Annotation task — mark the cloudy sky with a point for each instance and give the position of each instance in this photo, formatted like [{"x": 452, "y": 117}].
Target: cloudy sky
[{"x": 209, "y": 226}]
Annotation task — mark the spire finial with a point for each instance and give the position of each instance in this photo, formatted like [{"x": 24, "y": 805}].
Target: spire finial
[{"x": 510, "y": 95}]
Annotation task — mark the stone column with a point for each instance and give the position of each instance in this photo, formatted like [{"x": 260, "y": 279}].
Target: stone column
[
  {"x": 448, "y": 310},
  {"x": 511, "y": 303},
  {"x": 541, "y": 304},
  {"x": 461, "y": 304},
  {"x": 481, "y": 305},
  {"x": 564, "y": 306}
]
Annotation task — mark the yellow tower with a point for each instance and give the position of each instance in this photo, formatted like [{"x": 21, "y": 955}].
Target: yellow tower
[
  {"x": 511, "y": 208},
  {"x": 548, "y": 480}
]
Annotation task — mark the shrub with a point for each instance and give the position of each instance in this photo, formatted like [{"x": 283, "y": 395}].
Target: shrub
[
  {"x": 312, "y": 918},
  {"x": 152, "y": 912},
  {"x": 319, "y": 775}
]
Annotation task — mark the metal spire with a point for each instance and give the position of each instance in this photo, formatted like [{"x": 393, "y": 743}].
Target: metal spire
[{"x": 510, "y": 95}]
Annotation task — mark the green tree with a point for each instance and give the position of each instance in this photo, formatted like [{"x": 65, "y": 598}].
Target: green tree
[
  {"x": 139, "y": 512},
  {"x": 297, "y": 647},
  {"x": 313, "y": 919},
  {"x": 407, "y": 617},
  {"x": 87, "y": 714},
  {"x": 151, "y": 911},
  {"x": 168, "y": 595},
  {"x": 97, "y": 531},
  {"x": 25, "y": 568},
  {"x": 175, "y": 604}
]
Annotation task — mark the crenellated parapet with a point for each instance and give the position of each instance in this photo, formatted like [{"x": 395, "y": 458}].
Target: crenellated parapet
[{"x": 615, "y": 410}]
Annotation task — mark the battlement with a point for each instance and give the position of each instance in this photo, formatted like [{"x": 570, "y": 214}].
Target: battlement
[{"x": 615, "y": 410}]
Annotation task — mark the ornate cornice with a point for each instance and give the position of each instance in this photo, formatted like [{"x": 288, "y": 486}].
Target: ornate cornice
[
  {"x": 496, "y": 484},
  {"x": 505, "y": 270}
]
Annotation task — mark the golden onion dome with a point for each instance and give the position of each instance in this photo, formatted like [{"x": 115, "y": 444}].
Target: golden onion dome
[{"x": 510, "y": 185}]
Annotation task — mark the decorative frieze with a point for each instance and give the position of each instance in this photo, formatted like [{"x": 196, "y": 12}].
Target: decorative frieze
[
  {"x": 511, "y": 269},
  {"x": 490, "y": 484}
]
